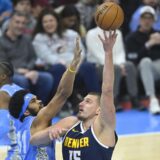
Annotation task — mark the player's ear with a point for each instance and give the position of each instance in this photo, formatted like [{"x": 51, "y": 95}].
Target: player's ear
[
  {"x": 27, "y": 113},
  {"x": 98, "y": 110},
  {"x": 3, "y": 76}
]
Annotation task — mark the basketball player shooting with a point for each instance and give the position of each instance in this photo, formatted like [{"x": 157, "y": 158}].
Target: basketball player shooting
[{"x": 93, "y": 137}]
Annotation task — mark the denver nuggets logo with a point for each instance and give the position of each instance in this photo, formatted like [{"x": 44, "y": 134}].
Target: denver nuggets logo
[
  {"x": 76, "y": 143},
  {"x": 74, "y": 130}
]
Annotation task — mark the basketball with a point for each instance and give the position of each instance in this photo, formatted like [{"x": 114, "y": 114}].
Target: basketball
[{"x": 109, "y": 16}]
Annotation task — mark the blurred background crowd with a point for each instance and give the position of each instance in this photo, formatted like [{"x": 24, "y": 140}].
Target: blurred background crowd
[{"x": 38, "y": 36}]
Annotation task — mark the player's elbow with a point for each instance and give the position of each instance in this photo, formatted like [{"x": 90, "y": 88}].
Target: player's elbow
[
  {"x": 108, "y": 91},
  {"x": 34, "y": 141},
  {"x": 65, "y": 93}
]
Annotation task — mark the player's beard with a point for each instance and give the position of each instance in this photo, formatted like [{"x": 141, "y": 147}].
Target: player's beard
[
  {"x": 80, "y": 117},
  {"x": 33, "y": 112}
]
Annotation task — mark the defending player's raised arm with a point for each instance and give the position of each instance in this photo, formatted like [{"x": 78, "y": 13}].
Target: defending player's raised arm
[
  {"x": 63, "y": 92},
  {"x": 57, "y": 130},
  {"x": 106, "y": 119}
]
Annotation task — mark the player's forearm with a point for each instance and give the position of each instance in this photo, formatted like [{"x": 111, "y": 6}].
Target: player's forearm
[
  {"x": 66, "y": 84},
  {"x": 40, "y": 138},
  {"x": 107, "y": 104},
  {"x": 57, "y": 130},
  {"x": 63, "y": 92},
  {"x": 108, "y": 75}
]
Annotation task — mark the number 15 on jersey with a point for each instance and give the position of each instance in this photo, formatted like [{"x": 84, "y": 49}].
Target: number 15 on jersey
[{"x": 74, "y": 155}]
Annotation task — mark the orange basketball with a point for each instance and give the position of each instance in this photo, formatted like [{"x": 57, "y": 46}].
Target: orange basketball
[{"x": 109, "y": 16}]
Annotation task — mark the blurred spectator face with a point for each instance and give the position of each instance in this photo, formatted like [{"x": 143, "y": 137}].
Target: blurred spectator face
[
  {"x": 152, "y": 3},
  {"x": 115, "y": 1},
  {"x": 146, "y": 21},
  {"x": 89, "y": 1},
  {"x": 38, "y": 6},
  {"x": 23, "y": 6},
  {"x": 17, "y": 24},
  {"x": 36, "y": 10},
  {"x": 69, "y": 22},
  {"x": 49, "y": 23}
]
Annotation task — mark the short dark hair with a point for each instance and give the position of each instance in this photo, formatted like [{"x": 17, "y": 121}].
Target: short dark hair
[
  {"x": 7, "y": 68},
  {"x": 18, "y": 13},
  {"x": 68, "y": 11},
  {"x": 16, "y": 103},
  {"x": 15, "y": 2}
]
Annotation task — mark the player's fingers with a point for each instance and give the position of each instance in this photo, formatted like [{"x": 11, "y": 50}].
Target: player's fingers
[
  {"x": 100, "y": 38},
  {"x": 64, "y": 129},
  {"x": 50, "y": 136},
  {"x": 110, "y": 33},
  {"x": 105, "y": 35}
]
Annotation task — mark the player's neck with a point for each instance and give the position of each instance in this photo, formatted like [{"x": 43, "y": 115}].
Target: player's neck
[{"x": 87, "y": 123}]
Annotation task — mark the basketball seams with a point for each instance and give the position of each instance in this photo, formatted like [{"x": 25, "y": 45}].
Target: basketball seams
[
  {"x": 105, "y": 13},
  {"x": 109, "y": 16},
  {"x": 114, "y": 18}
]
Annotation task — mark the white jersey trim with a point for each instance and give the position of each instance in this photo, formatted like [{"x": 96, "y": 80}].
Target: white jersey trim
[
  {"x": 82, "y": 129},
  {"x": 97, "y": 138}
]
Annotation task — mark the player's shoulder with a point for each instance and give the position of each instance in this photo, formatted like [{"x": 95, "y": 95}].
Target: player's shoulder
[{"x": 72, "y": 118}]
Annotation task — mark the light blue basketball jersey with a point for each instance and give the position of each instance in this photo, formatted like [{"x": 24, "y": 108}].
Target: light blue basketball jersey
[
  {"x": 4, "y": 127},
  {"x": 22, "y": 139},
  {"x": 14, "y": 151},
  {"x": 11, "y": 124},
  {"x": 25, "y": 150},
  {"x": 24, "y": 135},
  {"x": 41, "y": 152},
  {"x": 10, "y": 88}
]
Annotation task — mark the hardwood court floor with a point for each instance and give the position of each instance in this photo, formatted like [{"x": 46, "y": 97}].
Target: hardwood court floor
[
  {"x": 139, "y": 136},
  {"x": 138, "y": 147},
  {"x": 3, "y": 151}
]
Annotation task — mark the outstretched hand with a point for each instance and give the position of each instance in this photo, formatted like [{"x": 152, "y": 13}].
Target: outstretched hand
[
  {"x": 77, "y": 55},
  {"x": 109, "y": 40},
  {"x": 56, "y": 133}
]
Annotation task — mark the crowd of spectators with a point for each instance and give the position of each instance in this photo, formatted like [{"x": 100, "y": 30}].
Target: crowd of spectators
[{"x": 37, "y": 37}]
